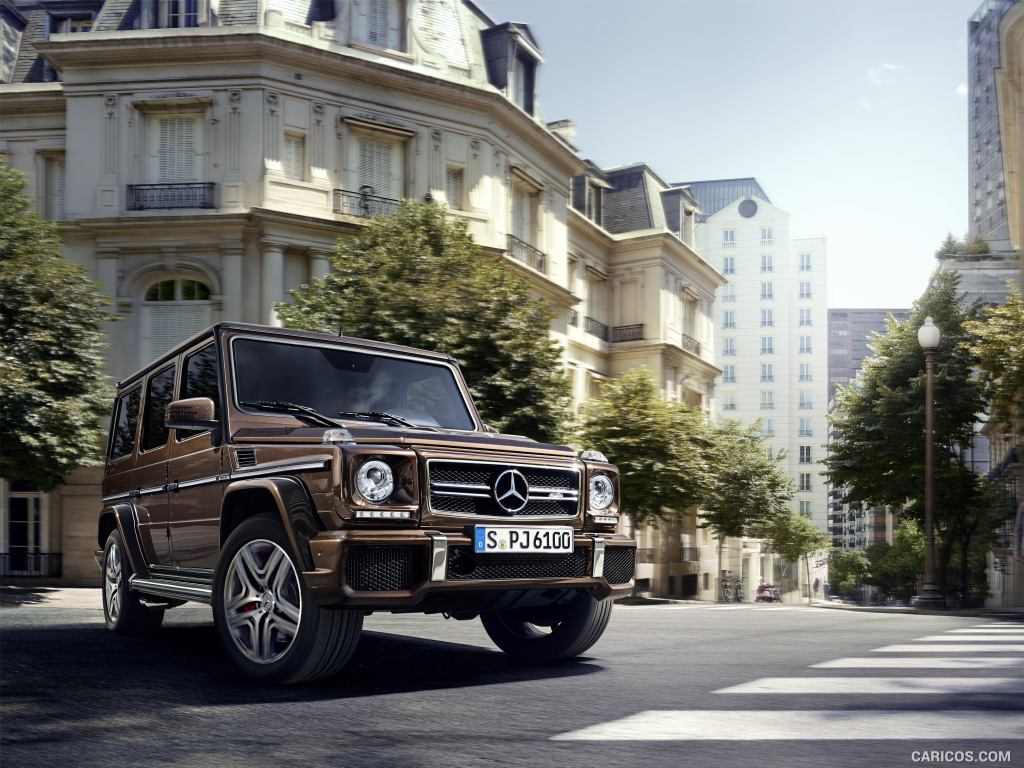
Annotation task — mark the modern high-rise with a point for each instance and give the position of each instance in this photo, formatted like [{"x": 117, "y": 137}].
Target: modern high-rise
[
  {"x": 771, "y": 328},
  {"x": 849, "y": 342},
  {"x": 987, "y": 214}
]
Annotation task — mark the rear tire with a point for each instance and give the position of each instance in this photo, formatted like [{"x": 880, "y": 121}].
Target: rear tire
[
  {"x": 266, "y": 619},
  {"x": 123, "y": 611},
  {"x": 572, "y": 628}
]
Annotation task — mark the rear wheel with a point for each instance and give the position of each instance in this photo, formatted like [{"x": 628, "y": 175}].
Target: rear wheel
[
  {"x": 124, "y": 612},
  {"x": 268, "y": 624},
  {"x": 548, "y": 634}
]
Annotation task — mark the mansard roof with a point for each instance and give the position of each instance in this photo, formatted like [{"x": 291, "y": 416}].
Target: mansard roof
[{"x": 716, "y": 194}]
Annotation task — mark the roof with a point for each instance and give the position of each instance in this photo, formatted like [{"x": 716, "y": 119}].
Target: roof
[{"x": 716, "y": 194}]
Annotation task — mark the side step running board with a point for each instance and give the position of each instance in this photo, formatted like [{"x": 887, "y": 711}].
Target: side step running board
[{"x": 175, "y": 590}]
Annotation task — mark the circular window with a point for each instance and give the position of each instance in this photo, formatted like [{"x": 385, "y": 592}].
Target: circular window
[{"x": 748, "y": 208}]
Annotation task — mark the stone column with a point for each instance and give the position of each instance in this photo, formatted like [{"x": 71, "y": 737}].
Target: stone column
[
  {"x": 231, "y": 283},
  {"x": 272, "y": 282},
  {"x": 319, "y": 263}
]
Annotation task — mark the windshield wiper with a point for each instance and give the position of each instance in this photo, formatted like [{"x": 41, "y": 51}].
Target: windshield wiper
[
  {"x": 382, "y": 416},
  {"x": 300, "y": 410}
]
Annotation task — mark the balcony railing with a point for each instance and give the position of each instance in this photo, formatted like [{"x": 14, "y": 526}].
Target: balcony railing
[
  {"x": 152, "y": 197},
  {"x": 628, "y": 332},
  {"x": 33, "y": 564},
  {"x": 574, "y": 318},
  {"x": 363, "y": 204},
  {"x": 522, "y": 251},
  {"x": 590, "y": 325},
  {"x": 690, "y": 344},
  {"x": 651, "y": 555}
]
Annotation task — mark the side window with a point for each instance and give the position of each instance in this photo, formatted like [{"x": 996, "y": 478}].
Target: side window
[
  {"x": 200, "y": 380},
  {"x": 126, "y": 417},
  {"x": 159, "y": 393}
]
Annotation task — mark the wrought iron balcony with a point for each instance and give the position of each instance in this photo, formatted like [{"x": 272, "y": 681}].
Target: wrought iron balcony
[
  {"x": 574, "y": 318},
  {"x": 590, "y": 325},
  {"x": 522, "y": 251},
  {"x": 364, "y": 204},
  {"x": 690, "y": 344},
  {"x": 30, "y": 564},
  {"x": 153, "y": 197},
  {"x": 628, "y": 332}
]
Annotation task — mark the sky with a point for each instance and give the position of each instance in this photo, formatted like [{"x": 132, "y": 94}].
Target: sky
[{"x": 851, "y": 115}]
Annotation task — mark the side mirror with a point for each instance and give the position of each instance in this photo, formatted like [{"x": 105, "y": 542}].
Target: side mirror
[
  {"x": 194, "y": 413},
  {"x": 489, "y": 429}
]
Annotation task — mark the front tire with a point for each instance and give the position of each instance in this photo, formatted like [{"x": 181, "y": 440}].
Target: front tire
[
  {"x": 123, "y": 611},
  {"x": 541, "y": 635},
  {"x": 266, "y": 619}
]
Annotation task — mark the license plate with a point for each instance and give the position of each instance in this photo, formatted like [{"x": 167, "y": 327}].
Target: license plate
[{"x": 516, "y": 540}]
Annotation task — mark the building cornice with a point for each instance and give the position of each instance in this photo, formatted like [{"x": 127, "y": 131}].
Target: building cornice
[
  {"x": 628, "y": 244},
  {"x": 32, "y": 98},
  {"x": 80, "y": 56}
]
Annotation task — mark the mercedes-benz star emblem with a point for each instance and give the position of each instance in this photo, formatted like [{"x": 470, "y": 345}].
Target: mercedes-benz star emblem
[{"x": 511, "y": 491}]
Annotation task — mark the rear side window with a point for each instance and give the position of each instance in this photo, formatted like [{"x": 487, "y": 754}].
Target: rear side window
[
  {"x": 158, "y": 395},
  {"x": 200, "y": 380},
  {"x": 126, "y": 418}
]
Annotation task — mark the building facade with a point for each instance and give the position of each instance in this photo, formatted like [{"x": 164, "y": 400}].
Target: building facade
[
  {"x": 772, "y": 329},
  {"x": 202, "y": 160}
]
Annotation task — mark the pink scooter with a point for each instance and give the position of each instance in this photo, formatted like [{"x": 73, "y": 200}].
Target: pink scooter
[{"x": 767, "y": 593}]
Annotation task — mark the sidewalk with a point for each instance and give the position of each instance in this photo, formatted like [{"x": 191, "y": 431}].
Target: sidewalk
[{"x": 88, "y": 598}]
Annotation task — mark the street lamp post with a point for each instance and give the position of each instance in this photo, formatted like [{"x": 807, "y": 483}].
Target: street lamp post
[{"x": 928, "y": 337}]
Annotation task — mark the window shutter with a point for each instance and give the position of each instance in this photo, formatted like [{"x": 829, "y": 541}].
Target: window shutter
[
  {"x": 295, "y": 157},
  {"x": 394, "y": 22},
  {"x": 178, "y": 151},
  {"x": 453, "y": 187},
  {"x": 174, "y": 322},
  {"x": 377, "y": 23},
  {"x": 55, "y": 188},
  {"x": 380, "y": 166}
]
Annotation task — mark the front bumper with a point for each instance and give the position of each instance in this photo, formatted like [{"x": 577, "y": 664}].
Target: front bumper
[{"x": 435, "y": 571}]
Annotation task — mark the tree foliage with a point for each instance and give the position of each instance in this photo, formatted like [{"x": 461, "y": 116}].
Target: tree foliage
[
  {"x": 417, "y": 278},
  {"x": 896, "y": 568},
  {"x": 662, "y": 449},
  {"x": 847, "y": 570},
  {"x": 998, "y": 345},
  {"x": 53, "y": 392},
  {"x": 795, "y": 538},
  {"x": 952, "y": 248}
]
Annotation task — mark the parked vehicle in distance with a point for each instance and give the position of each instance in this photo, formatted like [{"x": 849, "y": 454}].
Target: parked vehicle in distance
[{"x": 296, "y": 481}]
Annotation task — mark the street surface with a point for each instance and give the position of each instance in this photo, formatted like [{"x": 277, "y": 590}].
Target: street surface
[{"x": 668, "y": 685}]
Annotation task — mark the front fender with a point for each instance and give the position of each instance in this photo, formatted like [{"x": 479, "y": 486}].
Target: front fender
[
  {"x": 126, "y": 521},
  {"x": 294, "y": 506}
]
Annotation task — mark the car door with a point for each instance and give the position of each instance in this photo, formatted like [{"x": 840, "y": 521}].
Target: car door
[
  {"x": 195, "y": 466},
  {"x": 151, "y": 468}
]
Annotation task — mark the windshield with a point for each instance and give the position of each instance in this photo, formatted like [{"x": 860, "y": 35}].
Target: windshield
[{"x": 332, "y": 380}]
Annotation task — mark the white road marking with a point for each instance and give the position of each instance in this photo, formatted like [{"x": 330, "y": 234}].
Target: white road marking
[
  {"x": 951, "y": 648},
  {"x": 1016, "y": 625},
  {"x": 879, "y": 685},
  {"x": 923, "y": 662},
  {"x": 805, "y": 725},
  {"x": 988, "y": 631},
  {"x": 969, "y": 638}
]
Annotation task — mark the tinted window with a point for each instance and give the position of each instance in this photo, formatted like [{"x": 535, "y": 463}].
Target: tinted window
[
  {"x": 200, "y": 380},
  {"x": 159, "y": 393},
  {"x": 332, "y": 380},
  {"x": 126, "y": 417}
]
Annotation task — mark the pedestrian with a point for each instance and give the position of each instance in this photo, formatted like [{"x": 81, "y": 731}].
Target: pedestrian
[{"x": 1018, "y": 533}]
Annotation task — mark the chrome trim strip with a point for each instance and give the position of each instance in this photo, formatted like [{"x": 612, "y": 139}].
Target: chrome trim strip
[
  {"x": 116, "y": 497},
  {"x": 152, "y": 489},
  {"x": 263, "y": 471},
  {"x": 467, "y": 486},
  {"x": 170, "y": 589},
  {"x": 456, "y": 493},
  {"x": 598, "y": 558},
  {"x": 241, "y": 474},
  {"x": 438, "y": 555},
  {"x": 196, "y": 483},
  {"x": 554, "y": 496}
]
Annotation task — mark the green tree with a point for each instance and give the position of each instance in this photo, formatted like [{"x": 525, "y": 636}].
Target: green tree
[
  {"x": 847, "y": 570},
  {"x": 417, "y": 278},
  {"x": 660, "y": 448},
  {"x": 896, "y": 568},
  {"x": 795, "y": 538},
  {"x": 52, "y": 389},
  {"x": 998, "y": 345},
  {"x": 749, "y": 490},
  {"x": 878, "y": 453}
]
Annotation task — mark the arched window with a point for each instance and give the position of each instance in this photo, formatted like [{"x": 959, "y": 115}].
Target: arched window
[{"x": 173, "y": 310}]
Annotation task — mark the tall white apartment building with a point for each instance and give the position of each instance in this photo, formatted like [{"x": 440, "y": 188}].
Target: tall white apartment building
[{"x": 771, "y": 326}]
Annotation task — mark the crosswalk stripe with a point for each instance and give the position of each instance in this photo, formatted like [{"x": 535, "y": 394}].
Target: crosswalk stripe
[
  {"x": 806, "y": 725},
  {"x": 951, "y": 648},
  {"x": 879, "y": 685},
  {"x": 1012, "y": 625},
  {"x": 923, "y": 662},
  {"x": 988, "y": 631},
  {"x": 969, "y": 638}
]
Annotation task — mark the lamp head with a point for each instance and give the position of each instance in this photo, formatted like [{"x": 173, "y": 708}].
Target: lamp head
[{"x": 928, "y": 335}]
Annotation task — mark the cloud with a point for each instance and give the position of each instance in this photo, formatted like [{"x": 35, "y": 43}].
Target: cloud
[
  {"x": 961, "y": 90},
  {"x": 887, "y": 74}
]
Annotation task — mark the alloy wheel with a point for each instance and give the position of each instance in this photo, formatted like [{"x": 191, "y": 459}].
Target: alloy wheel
[{"x": 112, "y": 582}]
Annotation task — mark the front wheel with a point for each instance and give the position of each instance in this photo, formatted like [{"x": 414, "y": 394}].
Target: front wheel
[
  {"x": 551, "y": 633},
  {"x": 267, "y": 621}
]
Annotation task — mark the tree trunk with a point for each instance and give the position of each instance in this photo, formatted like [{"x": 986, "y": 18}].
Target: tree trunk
[{"x": 718, "y": 581}]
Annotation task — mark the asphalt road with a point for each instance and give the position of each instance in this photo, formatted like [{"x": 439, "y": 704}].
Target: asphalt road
[{"x": 422, "y": 691}]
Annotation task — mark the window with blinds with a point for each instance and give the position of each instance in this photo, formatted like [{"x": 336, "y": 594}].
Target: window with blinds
[
  {"x": 523, "y": 204},
  {"x": 55, "y": 183},
  {"x": 295, "y": 156},
  {"x": 379, "y": 23},
  {"x": 379, "y": 167},
  {"x": 453, "y": 187},
  {"x": 172, "y": 311},
  {"x": 174, "y": 149}
]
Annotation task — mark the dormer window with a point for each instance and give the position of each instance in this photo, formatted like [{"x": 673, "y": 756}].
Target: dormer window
[
  {"x": 512, "y": 59},
  {"x": 169, "y": 14},
  {"x": 588, "y": 197},
  {"x": 379, "y": 23}
]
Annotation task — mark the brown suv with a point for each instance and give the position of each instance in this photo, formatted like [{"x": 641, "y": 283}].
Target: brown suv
[{"x": 297, "y": 481}]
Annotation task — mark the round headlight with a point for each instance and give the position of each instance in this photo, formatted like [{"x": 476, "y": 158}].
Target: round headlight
[
  {"x": 602, "y": 492},
  {"x": 375, "y": 481}
]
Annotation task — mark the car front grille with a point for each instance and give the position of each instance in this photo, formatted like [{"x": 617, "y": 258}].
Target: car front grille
[
  {"x": 385, "y": 568},
  {"x": 465, "y": 565},
  {"x": 467, "y": 488},
  {"x": 619, "y": 564}
]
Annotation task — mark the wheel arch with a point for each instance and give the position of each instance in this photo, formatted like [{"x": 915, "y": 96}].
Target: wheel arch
[
  {"x": 285, "y": 497},
  {"x": 122, "y": 518}
]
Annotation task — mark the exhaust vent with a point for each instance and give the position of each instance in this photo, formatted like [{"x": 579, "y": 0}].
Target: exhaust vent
[{"x": 245, "y": 458}]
